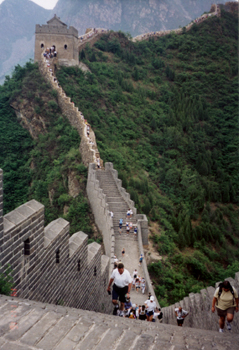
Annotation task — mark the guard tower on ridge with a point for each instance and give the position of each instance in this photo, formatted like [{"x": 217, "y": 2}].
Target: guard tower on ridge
[{"x": 65, "y": 40}]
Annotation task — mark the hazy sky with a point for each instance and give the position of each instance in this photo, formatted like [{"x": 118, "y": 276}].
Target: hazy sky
[{"x": 48, "y": 4}]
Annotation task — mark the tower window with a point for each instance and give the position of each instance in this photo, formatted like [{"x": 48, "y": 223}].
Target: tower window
[
  {"x": 78, "y": 265},
  {"x": 27, "y": 247},
  {"x": 42, "y": 45},
  {"x": 95, "y": 271},
  {"x": 65, "y": 47},
  {"x": 58, "y": 256}
]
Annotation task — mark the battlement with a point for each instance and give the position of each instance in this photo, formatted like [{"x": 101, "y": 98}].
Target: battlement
[
  {"x": 47, "y": 264},
  {"x": 50, "y": 29}
]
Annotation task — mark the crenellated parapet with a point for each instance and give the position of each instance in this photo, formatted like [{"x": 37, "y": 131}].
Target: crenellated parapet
[{"x": 50, "y": 266}]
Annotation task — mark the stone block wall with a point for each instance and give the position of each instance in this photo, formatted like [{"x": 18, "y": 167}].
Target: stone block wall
[
  {"x": 199, "y": 307},
  {"x": 100, "y": 209},
  {"x": 88, "y": 151},
  {"x": 50, "y": 266}
]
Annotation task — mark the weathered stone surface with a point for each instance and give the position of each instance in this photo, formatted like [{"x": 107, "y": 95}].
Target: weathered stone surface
[{"x": 47, "y": 327}]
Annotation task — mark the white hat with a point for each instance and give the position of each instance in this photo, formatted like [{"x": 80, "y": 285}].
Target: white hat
[
  {"x": 134, "y": 306},
  {"x": 152, "y": 298}
]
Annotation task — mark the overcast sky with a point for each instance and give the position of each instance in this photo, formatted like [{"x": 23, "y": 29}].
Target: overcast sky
[{"x": 48, "y": 4}]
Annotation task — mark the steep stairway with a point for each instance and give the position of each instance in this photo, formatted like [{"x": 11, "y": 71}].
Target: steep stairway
[
  {"x": 122, "y": 240},
  {"x": 29, "y": 325}
]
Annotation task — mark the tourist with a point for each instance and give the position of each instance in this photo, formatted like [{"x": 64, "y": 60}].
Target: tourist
[
  {"x": 180, "y": 314},
  {"x": 123, "y": 252},
  {"x": 135, "y": 230},
  {"x": 140, "y": 259},
  {"x": 143, "y": 285},
  {"x": 142, "y": 313},
  {"x": 121, "y": 287},
  {"x": 120, "y": 225},
  {"x": 137, "y": 284},
  {"x": 226, "y": 301},
  {"x": 130, "y": 226},
  {"x": 150, "y": 306}
]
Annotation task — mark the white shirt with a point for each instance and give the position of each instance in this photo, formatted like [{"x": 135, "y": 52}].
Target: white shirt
[
  {"x": 180, "y": 314},
  {"x": 121, "y": 280},
  {"x": 150, "y": 305}
]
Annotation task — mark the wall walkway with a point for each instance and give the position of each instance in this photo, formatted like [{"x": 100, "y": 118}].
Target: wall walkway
[
  {"x": 106, "y": 194},
  {"x": 29, "y": 325},
  {"x": 88, "y": 146}
]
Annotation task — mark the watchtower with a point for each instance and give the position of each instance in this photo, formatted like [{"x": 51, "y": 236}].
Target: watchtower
[{"x": 65, "y": 40}]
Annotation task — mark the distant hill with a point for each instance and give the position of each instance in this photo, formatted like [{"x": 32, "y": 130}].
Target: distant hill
[
  {"x": 17, "y": 27},
  {"x": 132, "y": 16}
]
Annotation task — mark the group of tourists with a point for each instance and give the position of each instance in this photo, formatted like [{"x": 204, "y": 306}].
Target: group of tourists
[
  {"x": 129, "y": 226},
  {"x": 123, "y": 282},
  {"x": 50, "y": 52},
  {"x": 225, "y": 300}
]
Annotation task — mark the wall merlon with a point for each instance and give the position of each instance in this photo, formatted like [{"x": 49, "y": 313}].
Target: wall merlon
[
  {"x": 54, "y": 230},
  {"x": 104, "y": 263},
  {"x": 93, "y": 249},
  {"x": 77, "y": 241}
]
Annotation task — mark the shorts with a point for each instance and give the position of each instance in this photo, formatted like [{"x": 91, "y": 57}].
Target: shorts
[
  {"x": 120, "y": 226},
  {"x": 119, "y": 293},
  {"x": 180, "y": 321},
  {"x": 223, "y": 313},
  {"x": 142, "y": 317},
  {"x": 150, "y": 313}
]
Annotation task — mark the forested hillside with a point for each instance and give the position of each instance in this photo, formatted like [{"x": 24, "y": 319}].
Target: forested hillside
[
  {"x": 164, "y": 111},
  {"x": 49, "y": 167}
]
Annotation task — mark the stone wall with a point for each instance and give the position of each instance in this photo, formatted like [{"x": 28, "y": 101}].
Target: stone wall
[
  {"x": 50, "y": 266},
  {"x": 89, "y": 152},
  {"x": 199, "y": 307},
  {"x": 100, "y": 209},
  {"x": 198, "y": 20}
]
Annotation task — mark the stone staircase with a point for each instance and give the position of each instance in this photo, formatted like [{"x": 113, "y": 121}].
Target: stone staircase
[
  {"x": 199, "y": 307},
  {"x": 116, "y": 204},
  {"x": 119, "y": 207},
  {"x": 29, "y": 325}
]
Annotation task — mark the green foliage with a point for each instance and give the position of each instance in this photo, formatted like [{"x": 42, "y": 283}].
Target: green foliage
[{"x": 6, "y": 282}]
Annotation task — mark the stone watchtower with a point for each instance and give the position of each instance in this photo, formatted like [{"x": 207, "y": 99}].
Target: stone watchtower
[{"x": 56, "y": 33}]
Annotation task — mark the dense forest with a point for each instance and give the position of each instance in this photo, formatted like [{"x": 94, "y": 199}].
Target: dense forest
[
  {"x": 164, "y": 111},
  {"x": 40, "y": 168}
]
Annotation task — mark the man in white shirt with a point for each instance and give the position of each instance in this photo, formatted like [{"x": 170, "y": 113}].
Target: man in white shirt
[
  {"x": 181, "y": 314},
  {"x": 150, "y": 306},
  {"x": 121, "y": 287}
]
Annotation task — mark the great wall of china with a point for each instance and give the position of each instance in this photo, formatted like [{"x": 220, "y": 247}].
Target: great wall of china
[{"x": 51, "y": 267}]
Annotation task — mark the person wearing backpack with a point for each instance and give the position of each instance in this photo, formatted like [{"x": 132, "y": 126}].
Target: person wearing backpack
[{"x": 226, "y": 301}]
